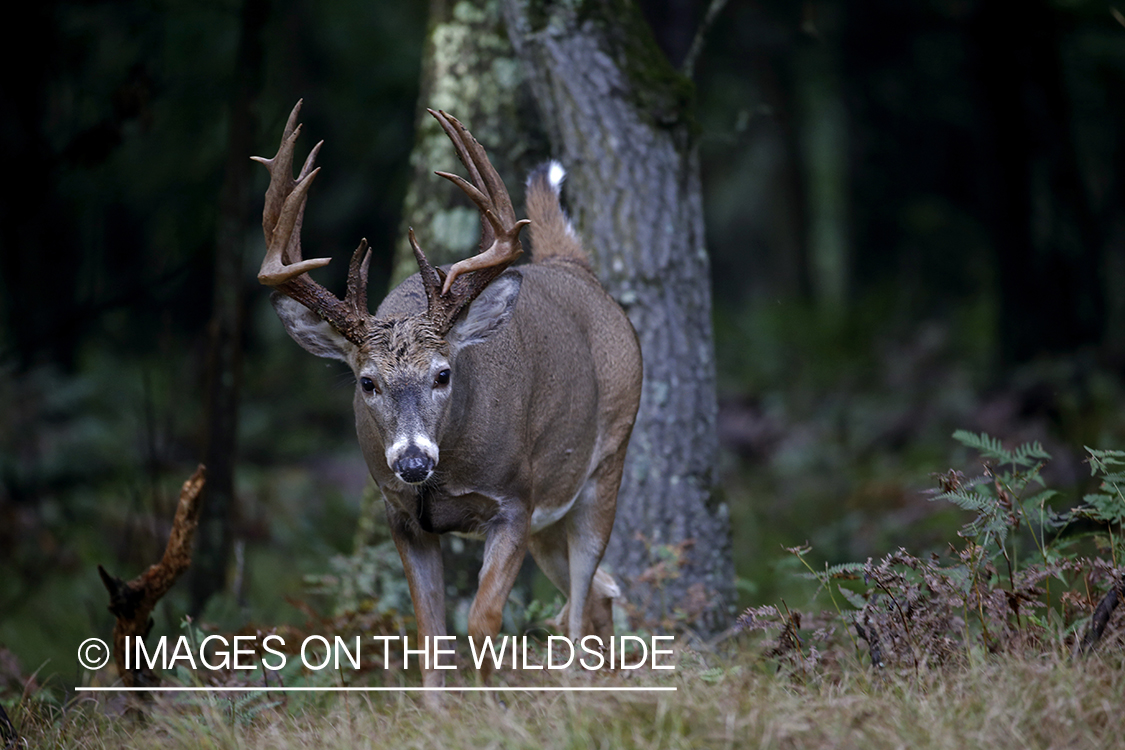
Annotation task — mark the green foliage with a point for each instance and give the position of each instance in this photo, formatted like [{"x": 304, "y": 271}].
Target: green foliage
[
  {"x": 1108, "y": 506},
  {"x": 828, "y": 421},
  {"x": 1027, "y": 455},
  {"x": 368, "y": 581},
  {"x": 980, "y": 596},
  {"x": 370, "y": 576},
  {"x": 997, "y": 497}
]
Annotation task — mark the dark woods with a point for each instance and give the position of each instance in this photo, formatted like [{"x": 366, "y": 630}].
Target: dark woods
[
  {"x": 948, "y": 150},
  {"x": 968, "y": 148}
]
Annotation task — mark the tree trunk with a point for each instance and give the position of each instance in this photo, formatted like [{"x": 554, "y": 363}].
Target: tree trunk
[
  {"x": 618, "y": 117},
  {"x": 824, "y": 143},
  {"x": 224, "y": 365},
  {"x": 603, "y": 97}
]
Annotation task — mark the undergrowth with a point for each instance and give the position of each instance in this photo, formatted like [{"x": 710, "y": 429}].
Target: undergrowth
[
  {"x": 1022, "y": 578},
  {"x": 1008, "y": 637}
]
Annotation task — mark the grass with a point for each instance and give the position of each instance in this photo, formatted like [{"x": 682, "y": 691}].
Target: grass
[{"x": 1000, "y": 702}]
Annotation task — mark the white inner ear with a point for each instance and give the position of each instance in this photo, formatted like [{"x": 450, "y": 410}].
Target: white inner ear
[
  {"x": 488, "y": 313},
  {"x": 310, "y": 331}
]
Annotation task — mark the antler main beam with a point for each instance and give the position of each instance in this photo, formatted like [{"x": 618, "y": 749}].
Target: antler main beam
[
  {"x": 448, "y": 294},
  {"x": 283, "y": 267}
]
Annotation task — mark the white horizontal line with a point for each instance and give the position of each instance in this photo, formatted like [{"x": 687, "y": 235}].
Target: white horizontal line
[{"x": 263, "y": 689}]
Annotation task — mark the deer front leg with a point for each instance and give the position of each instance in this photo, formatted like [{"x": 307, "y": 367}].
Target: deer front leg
[
  {"x": 421, "y": 560},
  {"x": 504, "y": 550}
]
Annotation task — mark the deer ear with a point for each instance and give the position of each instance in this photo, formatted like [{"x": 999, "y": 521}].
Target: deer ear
[
  {"x": 310, "y": 331},
  {"x": 488, "y": 313}
]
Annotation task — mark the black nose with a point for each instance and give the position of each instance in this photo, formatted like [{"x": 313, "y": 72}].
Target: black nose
[{"x": 413, "y": 466}]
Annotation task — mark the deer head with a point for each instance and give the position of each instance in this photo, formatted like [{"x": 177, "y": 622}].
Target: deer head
[{"x": 405, "y": 367}]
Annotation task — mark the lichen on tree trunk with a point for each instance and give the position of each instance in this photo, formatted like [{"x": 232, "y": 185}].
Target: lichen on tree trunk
[{"x": 469, "y": 70}]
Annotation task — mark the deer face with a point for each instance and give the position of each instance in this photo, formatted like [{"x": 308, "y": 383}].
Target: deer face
[
  {"x": 406, "y": 370},
  {"x": 404, "y": 377}
]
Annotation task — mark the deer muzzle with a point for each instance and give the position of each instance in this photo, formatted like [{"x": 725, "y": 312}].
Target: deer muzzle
[
  {"x": 413, "y": 460},
  {"x": 413, "y": 466}
]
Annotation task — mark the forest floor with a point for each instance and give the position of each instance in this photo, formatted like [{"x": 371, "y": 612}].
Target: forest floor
[{"x": 998, "y": 702}]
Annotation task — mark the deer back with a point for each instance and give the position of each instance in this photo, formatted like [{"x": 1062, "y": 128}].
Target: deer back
[{"x": 534, "y": 400}]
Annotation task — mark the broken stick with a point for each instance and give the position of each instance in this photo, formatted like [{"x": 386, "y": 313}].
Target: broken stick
[{"x": 132, "y": 602}]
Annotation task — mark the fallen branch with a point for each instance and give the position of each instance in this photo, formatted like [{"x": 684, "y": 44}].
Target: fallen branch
[
  {"x": 1100, "y": 619},
  {"x": 132, "y": 602}
]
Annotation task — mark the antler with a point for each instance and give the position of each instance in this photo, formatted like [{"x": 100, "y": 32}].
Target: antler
[
  {"x": 448, "y": 294},
  {"x": 283, "y": 268}
]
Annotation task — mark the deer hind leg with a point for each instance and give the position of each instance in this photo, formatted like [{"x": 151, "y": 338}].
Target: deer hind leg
[
  {"x": 599, "y": 606},
  {"x": 551, "y": 550},
  {"x": 548, "y": 549},
  {"x": 588, "y": 527}
]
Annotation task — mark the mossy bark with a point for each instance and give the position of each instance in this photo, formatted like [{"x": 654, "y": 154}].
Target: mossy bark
[{"x": 470, "y": 71}]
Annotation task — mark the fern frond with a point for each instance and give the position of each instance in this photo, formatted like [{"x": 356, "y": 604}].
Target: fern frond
[
  {"x": 976, "y": 502},
  {"x": 839, "y": 571},
  {"x": 1025, "y": 455},
  {"x": 984, "y": 444},
  {"x": 1103, "y": 508},
  {"x": 856, "y": 600}
]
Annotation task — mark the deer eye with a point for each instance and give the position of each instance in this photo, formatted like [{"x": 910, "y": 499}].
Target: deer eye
[
  {"x": 368, "y": 385},
  {"x": 442, "y": 378}
]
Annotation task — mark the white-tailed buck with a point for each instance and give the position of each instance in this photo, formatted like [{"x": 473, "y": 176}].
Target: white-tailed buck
[{"x": 489, "y": 401}]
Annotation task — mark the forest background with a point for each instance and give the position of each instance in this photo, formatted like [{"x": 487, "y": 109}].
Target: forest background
[{"x": 915, "y": 216}]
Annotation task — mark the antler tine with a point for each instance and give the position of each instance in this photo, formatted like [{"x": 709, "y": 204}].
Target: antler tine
[
  {"x": 284, "y": 209},
  {"x": 456, "y": 134},
  {"x": 285, "y": 242},
  {"x": 282, "y": 166},
  {"x": 283, "y": 267},
  {"x": 461, "y": 138},
  {"x": 356, "y": 296},
  {"x": 442, "y": 308},
  {"x": 480, "y": 168},
  {"x": 500, "y": 245},
  {"x": 432, "y": 277}
]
